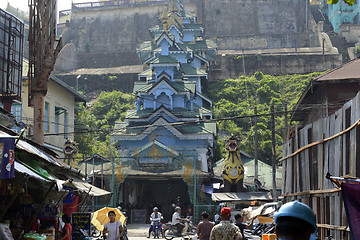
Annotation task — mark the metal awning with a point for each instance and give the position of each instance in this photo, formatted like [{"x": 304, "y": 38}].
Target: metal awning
[
  {"x": 241, "y": 196},
  {"x": 19, "y": 167},
  {"x": 84, "y": 187},
  {"x": 23, "y": 145}
]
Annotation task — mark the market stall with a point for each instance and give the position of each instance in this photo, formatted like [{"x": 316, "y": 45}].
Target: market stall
[{"x": 33, "y": 186}]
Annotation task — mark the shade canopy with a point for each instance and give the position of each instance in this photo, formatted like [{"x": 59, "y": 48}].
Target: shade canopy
[
  {"x": 83, "y": 187},
  {"x": 241, "y": 196},
  {"x": 88, "y": 188}
]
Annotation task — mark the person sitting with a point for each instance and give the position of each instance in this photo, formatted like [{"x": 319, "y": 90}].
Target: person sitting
[
  {"x": 176, "y": 220},
  {"x": 239, "y": 223},
  {"x": 155, "y": 216},
  {"x": 295, "y": 221}
]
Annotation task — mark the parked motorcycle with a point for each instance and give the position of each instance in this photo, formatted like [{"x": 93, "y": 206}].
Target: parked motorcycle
[{"x": 170, "y": 231}]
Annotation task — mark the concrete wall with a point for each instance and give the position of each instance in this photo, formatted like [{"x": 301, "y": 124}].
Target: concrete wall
[
  {"x": 108, "y": 37},
  {"x": 255, "y": 24},
  {"x": 231, "y": 66},
  {"x": 351, "y": 32},
  {"x": 89, "y": 83}
]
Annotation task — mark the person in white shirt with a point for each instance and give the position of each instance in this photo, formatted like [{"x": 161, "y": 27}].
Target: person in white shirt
[
  {"x": 176, "y": 220},
  {"x": 113, "y": 229},
  {"x": 155, "y": 216}
]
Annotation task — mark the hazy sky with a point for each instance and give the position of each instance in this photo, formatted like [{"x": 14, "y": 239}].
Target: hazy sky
[{"x": 23, "y": 4}]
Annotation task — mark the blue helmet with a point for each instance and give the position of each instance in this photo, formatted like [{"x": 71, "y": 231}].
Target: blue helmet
[{"x": 299, "y": 210}]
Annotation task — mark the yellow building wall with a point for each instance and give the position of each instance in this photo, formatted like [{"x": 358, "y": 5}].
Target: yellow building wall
[{"x": 57, "y": 96}]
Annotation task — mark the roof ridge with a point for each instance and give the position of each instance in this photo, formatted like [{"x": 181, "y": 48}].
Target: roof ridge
[{"x": 334, "y": 69}]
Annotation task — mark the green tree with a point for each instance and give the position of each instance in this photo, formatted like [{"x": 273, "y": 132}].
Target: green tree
[
  {"x": 237, "y": 98},
  {"x": 94, "y": 124}
]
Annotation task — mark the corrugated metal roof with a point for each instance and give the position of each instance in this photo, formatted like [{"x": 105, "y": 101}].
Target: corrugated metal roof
[{"x": 348, "y": 71}]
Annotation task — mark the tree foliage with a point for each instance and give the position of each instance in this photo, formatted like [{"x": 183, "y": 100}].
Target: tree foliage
[
  {"x": 238, "y": 97},
  {"x": 93, "y": 124}
]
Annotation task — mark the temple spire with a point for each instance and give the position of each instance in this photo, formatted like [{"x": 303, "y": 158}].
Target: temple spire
[
  {"x": 174, "y": 8},
  {"x": 164, "y": 19}
]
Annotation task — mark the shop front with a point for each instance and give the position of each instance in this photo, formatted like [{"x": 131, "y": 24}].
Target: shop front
[{"x": 35, "y": 188}]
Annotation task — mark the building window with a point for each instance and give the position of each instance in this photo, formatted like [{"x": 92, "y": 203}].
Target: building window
[
  {"x": 65, "y": 124},
  {"x": 57, "y": 114},
  {"x": 46, "y": 117},
  {"x": 16, "y": 111}
]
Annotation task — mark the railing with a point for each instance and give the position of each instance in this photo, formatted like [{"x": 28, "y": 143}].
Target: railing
[
  {"x": 64, "y": 12},
  {"x": 114, "y": 3}
]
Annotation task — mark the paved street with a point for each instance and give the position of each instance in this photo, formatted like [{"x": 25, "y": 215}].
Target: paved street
[{"x": 140, "y": 231}]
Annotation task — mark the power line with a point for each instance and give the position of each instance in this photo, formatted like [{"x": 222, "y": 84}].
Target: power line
[{"x": 180, "y": 123}]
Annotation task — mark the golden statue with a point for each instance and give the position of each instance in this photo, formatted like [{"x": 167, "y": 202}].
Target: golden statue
[{"x": 233, "y": 170}]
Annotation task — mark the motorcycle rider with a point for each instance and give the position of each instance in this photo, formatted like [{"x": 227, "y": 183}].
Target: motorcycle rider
[
  {"x": 156, "y": 215},
  {"x": 176, "y": 220}
]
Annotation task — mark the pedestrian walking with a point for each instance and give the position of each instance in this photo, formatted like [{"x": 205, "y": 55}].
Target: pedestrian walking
[
  {"x": 67, "y": 229},
  {"x": 295, "y": 221},
  {"x": 113, "y": 229},
  {"x": 203, "y": 229},
  {"x": 225, "y": 230}
]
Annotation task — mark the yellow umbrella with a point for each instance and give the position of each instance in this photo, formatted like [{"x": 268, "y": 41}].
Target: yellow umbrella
[{"x": 100, "y": 217}]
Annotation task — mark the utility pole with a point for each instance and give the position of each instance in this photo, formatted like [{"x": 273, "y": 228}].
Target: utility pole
[
  {"x": 243, "y": 62},
  {"x": 286, "y": 122},
  {"x": 195, "y": 183},
  {"x": 93, "y": 181},
  {"x": 306, "y": 14},
  {"x": 273, "y": 152},
  {"x": 256, "y": 146},
  {"x": 112, "y": 184}
]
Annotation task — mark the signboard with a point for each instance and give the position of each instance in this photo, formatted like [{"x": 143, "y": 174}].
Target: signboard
[
  {"x": 69, "y": 197},
  {"x": 81, "y": 221},
  {"x": 138, "y": 216},
  {"x": 7, "y": 158}
]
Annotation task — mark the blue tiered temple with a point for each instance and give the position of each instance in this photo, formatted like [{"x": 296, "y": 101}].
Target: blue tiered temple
[{"x": 164, "y": 138}]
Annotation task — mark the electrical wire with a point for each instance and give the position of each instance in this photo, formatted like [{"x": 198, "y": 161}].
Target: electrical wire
[{"x": 90, "y": 130}]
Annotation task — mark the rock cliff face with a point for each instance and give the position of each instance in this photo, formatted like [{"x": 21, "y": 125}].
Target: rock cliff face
[
  {"x": 108, "y": 36},
  {"x": 258, "y": 24}
]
